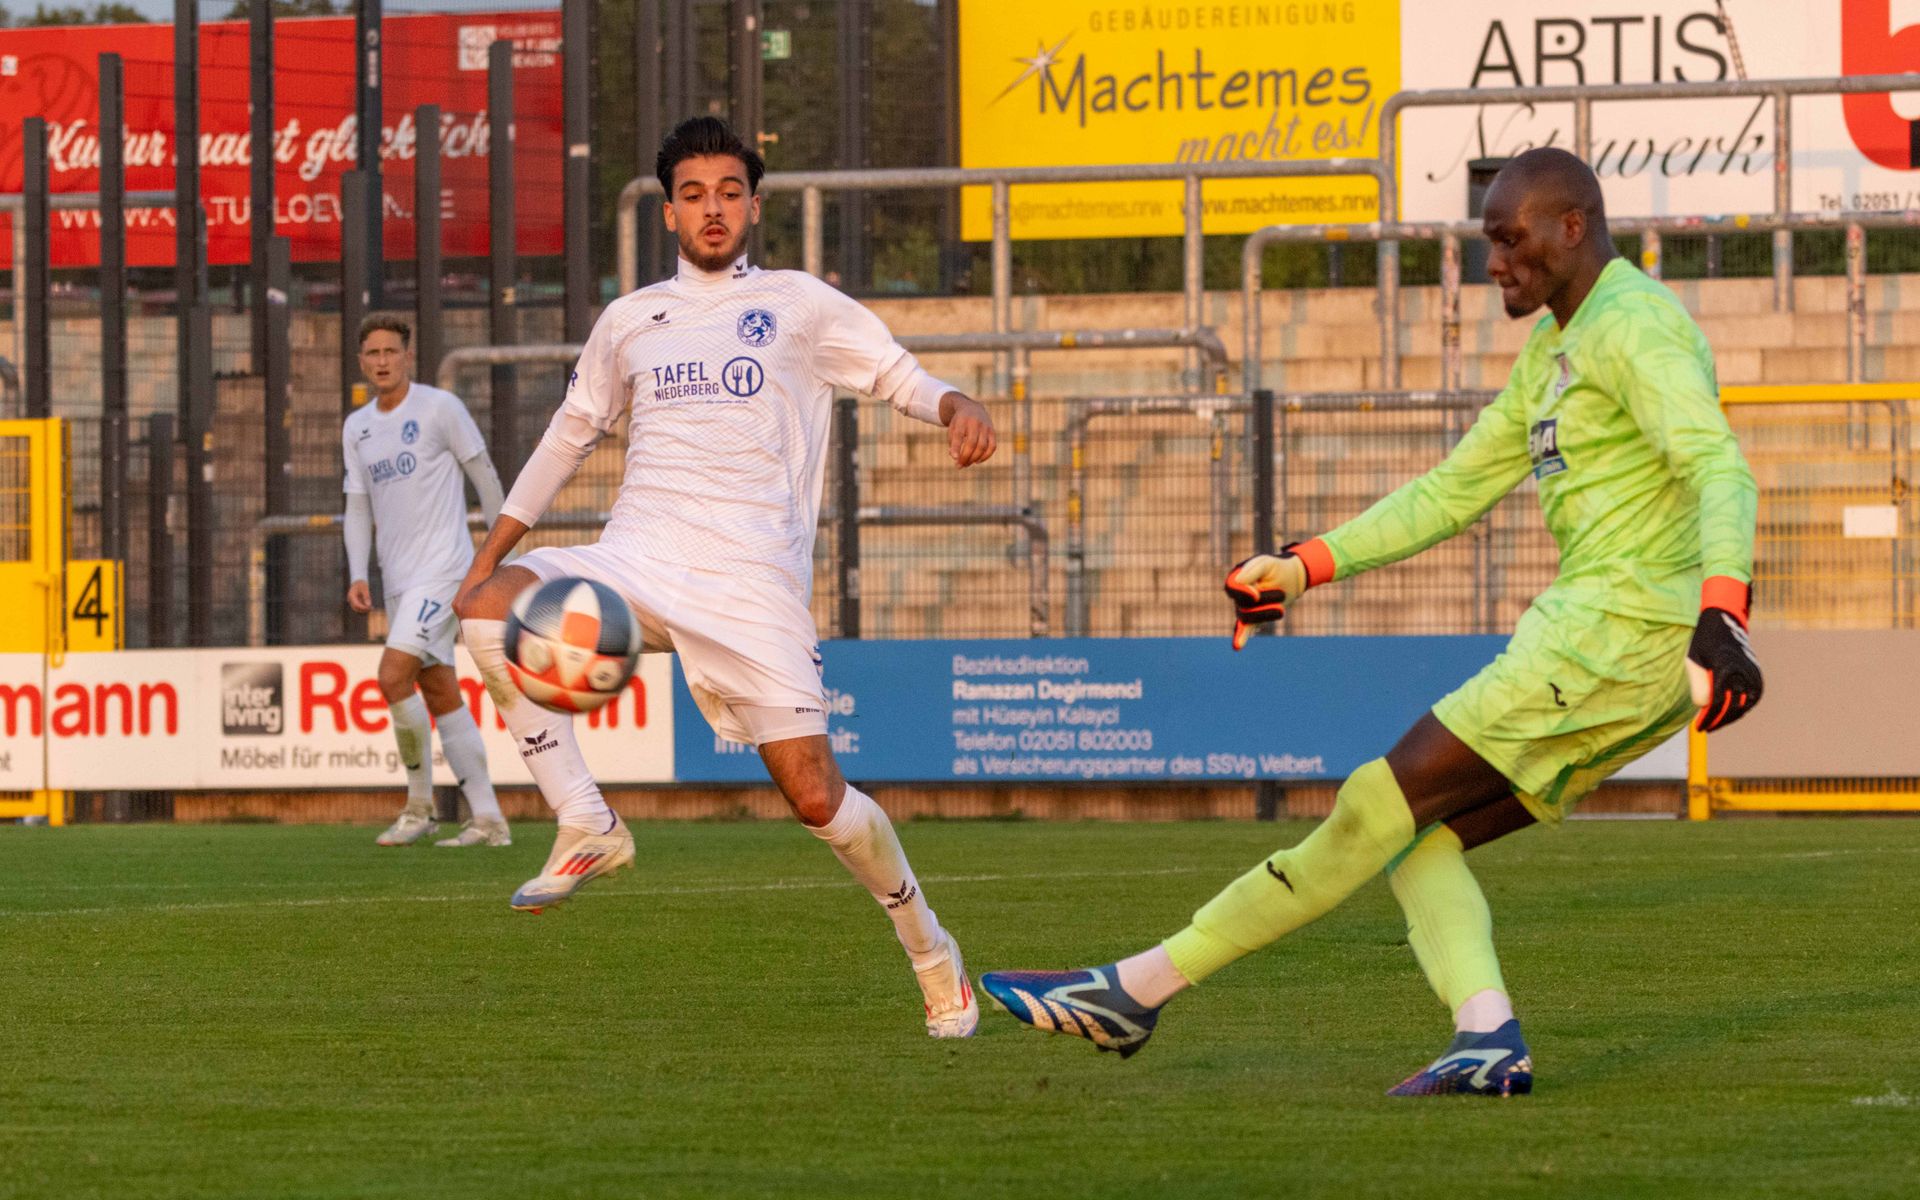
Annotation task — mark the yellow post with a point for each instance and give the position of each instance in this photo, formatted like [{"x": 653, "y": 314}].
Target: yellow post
[
  {"x": 33, "y": 551},
  {"x": 1699, "y": 796}
]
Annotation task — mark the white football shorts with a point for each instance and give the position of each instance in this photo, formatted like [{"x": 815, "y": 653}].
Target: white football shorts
[
  {"x": 748, "y": 651},
  {"x": 420, "y": 622}
]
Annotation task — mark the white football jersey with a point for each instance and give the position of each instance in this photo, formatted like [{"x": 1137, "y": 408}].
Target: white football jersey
[
  {"x": 408, "y": 462},
  {"x": 730, "y": 378}
]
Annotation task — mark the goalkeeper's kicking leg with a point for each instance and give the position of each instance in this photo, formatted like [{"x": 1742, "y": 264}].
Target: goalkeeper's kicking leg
[{"x": 1430, "y": 777}]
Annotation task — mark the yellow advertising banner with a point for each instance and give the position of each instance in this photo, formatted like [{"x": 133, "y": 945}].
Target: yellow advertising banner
[{"x": 1167, "y": 82}]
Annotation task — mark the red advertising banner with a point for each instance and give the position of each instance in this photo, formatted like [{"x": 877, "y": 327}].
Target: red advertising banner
[{"x": 427, "y": 59}]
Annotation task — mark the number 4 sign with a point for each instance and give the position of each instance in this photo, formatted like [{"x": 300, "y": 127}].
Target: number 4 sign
[{"x": 94, "y": 605}]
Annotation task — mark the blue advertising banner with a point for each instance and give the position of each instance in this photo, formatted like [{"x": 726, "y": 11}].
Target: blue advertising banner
[{"x": 1108, "y": 709}]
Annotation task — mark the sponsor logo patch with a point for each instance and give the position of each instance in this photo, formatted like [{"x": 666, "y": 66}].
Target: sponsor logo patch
[
  {"x": 1543, "y": 447},
  {"x": 251, "y": 699},
  {"x": 742, "y": 376}
]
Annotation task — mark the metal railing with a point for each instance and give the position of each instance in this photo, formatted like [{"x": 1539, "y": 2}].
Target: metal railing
[
  {"x": 328, "y": 525},
  {"x": 1081, "y": 413},
  {"x": 454, "y": 361},
  {"x": 15, "y": 203},
  {"x": 1039, "y": 608},
  {"x": 1450, "y": 235},
  {"x": 1205, "y": 341},
  {"x": 812, "y": 186},
  {"x": 1035, "y": 550}
]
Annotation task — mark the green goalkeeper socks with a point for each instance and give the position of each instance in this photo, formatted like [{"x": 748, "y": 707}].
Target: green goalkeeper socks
[
  {"x": 1448, "y": 924},
  {"x": 1370, "y": 823}
]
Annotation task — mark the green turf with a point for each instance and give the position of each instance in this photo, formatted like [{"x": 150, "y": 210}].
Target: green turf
[{"x": 1715, "y": 1010}]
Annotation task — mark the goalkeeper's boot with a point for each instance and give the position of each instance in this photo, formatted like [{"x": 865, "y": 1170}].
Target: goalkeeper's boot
[
  {"x": 952, "y": 1010},
  {"x": 578, "y": 858},
  {"x": 480, "y": 833},
  {"x": 411, "y": 826},
  {"x": 1476, "y": 1064},
  {"x": 1089, "y": 1004}
]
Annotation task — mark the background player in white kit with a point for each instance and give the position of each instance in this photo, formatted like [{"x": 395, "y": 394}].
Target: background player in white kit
[
  {"x": 405, "y": 453},
  {"x": 730, "y": 373}
]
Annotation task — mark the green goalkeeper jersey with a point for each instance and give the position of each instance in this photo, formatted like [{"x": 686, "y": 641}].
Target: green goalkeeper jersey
[{"x": 1618, "y": 418}]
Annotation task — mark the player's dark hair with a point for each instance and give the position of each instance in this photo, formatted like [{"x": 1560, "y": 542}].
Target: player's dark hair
[
  {"x": 377, "y": 322},
  {"x": 698, "y": 137}
]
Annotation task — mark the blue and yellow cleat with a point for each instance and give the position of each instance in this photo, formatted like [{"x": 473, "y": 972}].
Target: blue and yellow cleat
[
  {"x": 1088, "y": 1004},
  {"x": 1476, "y": 1064}
]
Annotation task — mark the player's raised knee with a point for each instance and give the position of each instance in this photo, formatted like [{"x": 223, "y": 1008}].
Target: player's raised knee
[{"x": 493, "y": 598}]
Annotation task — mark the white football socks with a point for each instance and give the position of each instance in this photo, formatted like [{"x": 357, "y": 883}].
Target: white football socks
[
  {"x": 544, "y": 738},
  {"x": 467, "y": 755},
  {"x": 863, "y": 840},
  {"x": 413, "y": 734}
]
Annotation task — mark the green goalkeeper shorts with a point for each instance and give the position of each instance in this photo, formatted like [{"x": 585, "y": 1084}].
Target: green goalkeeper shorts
[{"x": 1576, "y": 695}]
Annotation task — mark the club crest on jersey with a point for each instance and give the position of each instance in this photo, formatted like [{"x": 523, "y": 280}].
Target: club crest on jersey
[
  {"x": 757, "y": 327},
  {"x": 742, "y": 376},
  {"x": 410, "y": 432},
  {"x": 1565, "y": 380},
  {"x": 1543, "y": 447}
]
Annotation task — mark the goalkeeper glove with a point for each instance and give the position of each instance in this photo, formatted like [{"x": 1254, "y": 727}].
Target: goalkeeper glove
[
  {"x": 1261, "y": 587},
  {"x": 1721, "y": 669}
]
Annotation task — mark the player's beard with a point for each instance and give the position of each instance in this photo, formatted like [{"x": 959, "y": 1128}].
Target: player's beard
[{"x": 694, "y": 250}]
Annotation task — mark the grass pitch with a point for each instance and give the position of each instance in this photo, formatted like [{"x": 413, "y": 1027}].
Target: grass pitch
[{"x": 1715, "y": 1010}]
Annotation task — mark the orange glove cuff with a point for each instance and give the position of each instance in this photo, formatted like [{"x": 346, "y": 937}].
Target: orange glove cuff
[
  {"x": 1727, "y": 593},
  {"x": 1317, "y": 559}
]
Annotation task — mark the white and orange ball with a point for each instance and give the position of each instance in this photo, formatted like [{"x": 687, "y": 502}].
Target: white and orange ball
[{"x": 571, "y": 644}]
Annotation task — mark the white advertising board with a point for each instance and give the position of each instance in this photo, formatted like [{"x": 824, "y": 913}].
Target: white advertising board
[
  {"x": 286, "y": 717},
  {"x": 1667, "y": 157},
  {"x": 23, "y": 713}
]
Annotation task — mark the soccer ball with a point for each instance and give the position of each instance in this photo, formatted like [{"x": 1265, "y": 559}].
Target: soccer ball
[{"x": 571, "y": 644}]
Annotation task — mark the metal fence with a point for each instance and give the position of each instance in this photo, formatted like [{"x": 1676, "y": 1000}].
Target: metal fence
[
  {"x": 1838, "y": 547},
  {"x": 1119, "y": 521}
]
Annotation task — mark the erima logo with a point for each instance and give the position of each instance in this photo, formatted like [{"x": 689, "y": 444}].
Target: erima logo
[
  {"x": 659, "y": 318},
  {"x": 1280, "y": 875},
  {"x": 1556, "y": 694},
  {"x": 908, "y": 890},
  {"x": 1543, "y": 447},
  {"x": 539, "y": 743}
]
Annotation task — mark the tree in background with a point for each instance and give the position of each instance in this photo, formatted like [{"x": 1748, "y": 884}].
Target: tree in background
[{"x": 74, "y": 14}]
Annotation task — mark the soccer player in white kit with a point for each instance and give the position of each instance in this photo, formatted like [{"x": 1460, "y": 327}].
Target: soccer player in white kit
[
  {"x": 405, "y": 454},
  {"x": 729, "y": 372}
]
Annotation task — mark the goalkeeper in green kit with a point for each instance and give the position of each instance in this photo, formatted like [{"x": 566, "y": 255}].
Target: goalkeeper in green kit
[{"x": 1612, "y": 407}]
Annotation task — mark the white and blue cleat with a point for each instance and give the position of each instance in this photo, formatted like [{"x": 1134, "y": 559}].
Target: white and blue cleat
[
  {"x": 1476, "y": 1064},
  {"x": 1089, "y": 1004},
  {"x": 577, "y": 859}
]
